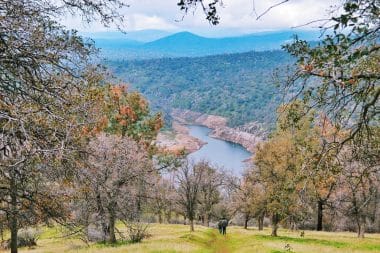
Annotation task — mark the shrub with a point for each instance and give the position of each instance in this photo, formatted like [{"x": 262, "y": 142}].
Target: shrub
[
  {"x": 27, "y": 237},
  {"x": 137, "y": 232}
]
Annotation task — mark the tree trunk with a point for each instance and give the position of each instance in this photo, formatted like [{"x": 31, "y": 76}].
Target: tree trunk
[
  {"x": 261, "y": 222},
  {"x": 191, "y": 225},
  {"x": 138, "y": 208},
  {"x": 111, "y": 222},
  {"x": 361, "y": 227},
  {"x": 168, "y": 217},
  {"x": 2, "y": 231},
  {"x": 320, "y": 216},
  {"x": 160, "y": 218},
  {"x": 184, "y": 220},
  {"x": 293, "y": 224},
  {"x": 102, "y": 217},
  {"x": 111, "y": 231},
  {"x": 13, "y": 226},
  {"x": 207, "y": 220},
  {"x": 275, "y": 220},
  {"x": 246, "y": 222}
]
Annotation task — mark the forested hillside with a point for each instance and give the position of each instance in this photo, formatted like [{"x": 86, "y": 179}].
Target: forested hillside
[{"x": 240, "y": 86}]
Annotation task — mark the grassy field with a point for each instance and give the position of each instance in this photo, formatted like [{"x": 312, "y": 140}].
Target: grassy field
[{"x": 177, "y": 238}]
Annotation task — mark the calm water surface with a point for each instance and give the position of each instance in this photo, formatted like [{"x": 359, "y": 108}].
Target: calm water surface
[{"x": 221, "y": 153}]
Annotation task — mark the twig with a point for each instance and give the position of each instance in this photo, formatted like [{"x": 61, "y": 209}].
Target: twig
[{"x": 271, "y": 7}]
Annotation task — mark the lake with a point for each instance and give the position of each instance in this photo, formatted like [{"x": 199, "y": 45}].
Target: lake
[{"x": 219, "y": 152}]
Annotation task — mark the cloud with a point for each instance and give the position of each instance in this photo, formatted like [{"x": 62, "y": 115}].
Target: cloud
[
  {"x": 236, "y": 15},
  {"x": 142, "y": 22}
]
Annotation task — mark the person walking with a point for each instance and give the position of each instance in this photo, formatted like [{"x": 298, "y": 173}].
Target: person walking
[{"x": 222, "y": 226}]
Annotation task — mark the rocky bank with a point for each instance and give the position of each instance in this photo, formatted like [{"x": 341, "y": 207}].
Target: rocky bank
[
  {"x": 178, "y": 139},
  {"x": 248, "y": 135}
]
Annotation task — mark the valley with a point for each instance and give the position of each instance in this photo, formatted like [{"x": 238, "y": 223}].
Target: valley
[{"x": 193, "y": 132}]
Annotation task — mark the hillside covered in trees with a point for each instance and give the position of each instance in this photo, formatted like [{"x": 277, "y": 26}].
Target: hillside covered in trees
[{"x": 240, "y": 86}]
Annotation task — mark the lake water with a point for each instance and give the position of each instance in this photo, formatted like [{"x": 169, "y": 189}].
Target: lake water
[{"x": 219, "y": 152}]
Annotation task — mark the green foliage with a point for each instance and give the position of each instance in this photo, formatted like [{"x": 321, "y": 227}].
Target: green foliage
[{"x": 238, "y": 86}]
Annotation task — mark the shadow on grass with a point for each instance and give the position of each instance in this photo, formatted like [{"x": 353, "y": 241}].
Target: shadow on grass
[{"x": 334, "y": 244}]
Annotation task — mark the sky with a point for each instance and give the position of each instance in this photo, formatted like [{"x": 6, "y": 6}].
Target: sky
[{"x": 237, "y": 16}]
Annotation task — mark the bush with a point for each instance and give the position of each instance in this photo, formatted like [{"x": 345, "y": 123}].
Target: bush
[
  {"x": 137, "y": 232},
  {"x": 27, "y": 237}
]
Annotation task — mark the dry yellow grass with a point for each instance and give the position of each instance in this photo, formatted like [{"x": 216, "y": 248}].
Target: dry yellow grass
[{"x": 177, "y": 238}]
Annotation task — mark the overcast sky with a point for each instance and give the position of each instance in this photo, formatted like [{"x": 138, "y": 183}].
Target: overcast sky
[{"x": 237, "y": 16}]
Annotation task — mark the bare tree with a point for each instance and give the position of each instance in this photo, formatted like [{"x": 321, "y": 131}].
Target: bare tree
[
  {"x": 110, "y": 184},
  {"x": 249, "y": 199},
  {"x": 163, "y": 198},
  {"x": 209, "y": 191},
  {"x": 189, "y": 177},
  {"x": 360, "y": 182}
]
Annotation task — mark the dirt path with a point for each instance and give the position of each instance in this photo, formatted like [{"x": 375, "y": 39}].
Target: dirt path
[{"x": 218, "y": 243}]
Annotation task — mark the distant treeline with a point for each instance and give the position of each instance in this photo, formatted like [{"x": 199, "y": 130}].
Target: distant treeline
[{"x": 241, "y": 87}]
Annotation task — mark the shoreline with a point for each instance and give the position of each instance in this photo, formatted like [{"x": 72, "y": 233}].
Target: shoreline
[{"x": 180, "y": 139}]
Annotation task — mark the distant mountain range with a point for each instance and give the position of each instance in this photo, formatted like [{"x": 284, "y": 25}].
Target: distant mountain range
[
  {"x": 149, "y": 44},
  {"x": 141, "y": 36}
]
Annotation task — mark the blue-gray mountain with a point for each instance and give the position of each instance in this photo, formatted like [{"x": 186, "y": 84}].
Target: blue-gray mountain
[{"x": 138, "y": 45}]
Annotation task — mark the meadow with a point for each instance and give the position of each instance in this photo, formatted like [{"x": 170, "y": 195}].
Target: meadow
[{"x": 177, "y": 238}]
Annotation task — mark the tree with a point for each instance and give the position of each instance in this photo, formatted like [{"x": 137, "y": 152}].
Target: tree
[
  {"x": 282, "y": 160},
  {"x": 127, "y": 114},
  {"x": 113, "y": 183},
  {"x": 45, "y": 74},
  {"x": 209, "y": 194},
  {"x": 163, "y": 198},
  {"x": 323, "y": 168},
  {"x": 249, "y": 198},
  {"x": 41, "y": 136},
  {"x": 340, "y": 75},
  {"x": 360, "y": 181},
  {"x": 109, "y": 183},
  {"x": 189, "y": 178},
  {"x": 278, "y": 170},
  {"x": 320, "y": 168}
]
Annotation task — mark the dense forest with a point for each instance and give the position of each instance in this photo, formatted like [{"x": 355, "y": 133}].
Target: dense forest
[{"x": 241, "y": 87}]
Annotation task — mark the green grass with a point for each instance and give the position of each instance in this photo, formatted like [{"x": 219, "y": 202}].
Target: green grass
[
  {"x": 331, "y": 243},
  {"x": 177, "y": 238}
]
